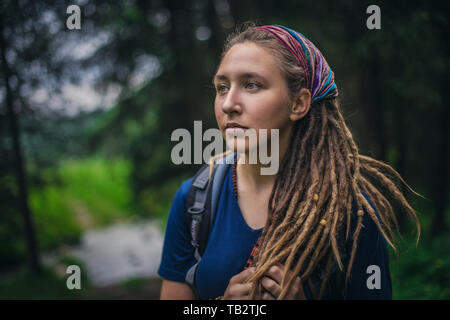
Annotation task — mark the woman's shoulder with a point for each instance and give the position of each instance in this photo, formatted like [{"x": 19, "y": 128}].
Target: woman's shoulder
[
  {"x": 186, "y": 185},
  {"x": 177, "y": 208}
]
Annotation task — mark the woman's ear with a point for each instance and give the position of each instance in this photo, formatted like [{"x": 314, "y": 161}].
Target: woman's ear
[{"x": 300, "y": 105}]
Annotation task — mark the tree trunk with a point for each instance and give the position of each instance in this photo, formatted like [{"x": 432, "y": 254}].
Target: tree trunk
[{"x": 30, "y": 238}]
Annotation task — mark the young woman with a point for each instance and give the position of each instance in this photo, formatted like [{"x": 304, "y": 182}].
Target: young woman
[{"x": 319, "y": 228}]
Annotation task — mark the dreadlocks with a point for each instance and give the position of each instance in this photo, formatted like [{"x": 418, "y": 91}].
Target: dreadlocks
[{"x": 321, "y": 178}]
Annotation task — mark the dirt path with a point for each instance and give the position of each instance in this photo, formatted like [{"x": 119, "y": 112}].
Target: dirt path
[{"x": 83, "y": 215}]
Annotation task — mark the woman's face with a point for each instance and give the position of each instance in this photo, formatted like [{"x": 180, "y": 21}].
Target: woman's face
[{"x": 251, "y": 92}]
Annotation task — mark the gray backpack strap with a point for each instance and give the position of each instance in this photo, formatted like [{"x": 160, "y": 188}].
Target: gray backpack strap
[
  {"x": 197, "y": 210},
  {"x": 195, "y": 213},
  {"x": 219, "y": 176}
]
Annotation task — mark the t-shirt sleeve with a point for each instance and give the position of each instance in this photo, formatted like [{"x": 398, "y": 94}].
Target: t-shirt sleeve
[
  {"x": 370, "y": 276},
  {"x": 178, "y": 254}
]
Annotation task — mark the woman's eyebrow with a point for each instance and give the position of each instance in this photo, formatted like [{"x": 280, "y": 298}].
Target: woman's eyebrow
[{"x": 245, "y": 75}]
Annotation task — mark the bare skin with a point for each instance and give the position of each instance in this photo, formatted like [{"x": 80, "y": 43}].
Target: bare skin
[{"x": 172, "y": 290}]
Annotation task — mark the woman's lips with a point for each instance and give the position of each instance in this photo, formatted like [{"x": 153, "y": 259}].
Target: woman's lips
[{"x": 235, "y": 130}]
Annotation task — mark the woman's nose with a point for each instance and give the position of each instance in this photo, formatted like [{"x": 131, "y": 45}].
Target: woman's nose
[{"x": 232, "y": 102}]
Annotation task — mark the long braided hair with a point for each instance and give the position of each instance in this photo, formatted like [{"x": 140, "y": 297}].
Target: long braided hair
[{"x": 319, "y": 181}]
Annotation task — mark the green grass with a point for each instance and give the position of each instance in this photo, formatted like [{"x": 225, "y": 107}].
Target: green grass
[
  {"x": 101, "y": 184},
  {"x": 80, "y": 194}
]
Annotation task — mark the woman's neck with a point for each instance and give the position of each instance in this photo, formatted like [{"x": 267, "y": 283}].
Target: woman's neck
[{"x": 251, "y": 174}]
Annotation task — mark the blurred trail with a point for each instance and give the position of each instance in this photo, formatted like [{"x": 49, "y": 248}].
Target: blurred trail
[
  {"x": 83, "y": 215},
  {"x": 120, "y": 252},
  {"x": 111, "y": 256}
]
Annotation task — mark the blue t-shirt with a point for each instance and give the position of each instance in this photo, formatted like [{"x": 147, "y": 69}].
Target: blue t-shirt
[{"x": 231, "y": 241}]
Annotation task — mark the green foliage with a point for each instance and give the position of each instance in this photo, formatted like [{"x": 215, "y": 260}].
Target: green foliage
[
  {"x": 55, "y": 221},
  {"x": 422, "y": 272},
  {"x": 101, "y": 184},
  {"x": 80, "y": 194},
  {"x": 46, "y": 286},
  {"x": 12, "y": 250}
]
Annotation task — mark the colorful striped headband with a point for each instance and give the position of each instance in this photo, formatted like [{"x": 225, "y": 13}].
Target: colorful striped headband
[{"x": 319, "y": 76}]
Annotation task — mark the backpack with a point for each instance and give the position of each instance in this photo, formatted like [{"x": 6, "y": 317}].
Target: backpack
[{"x": 200, "y": 210}]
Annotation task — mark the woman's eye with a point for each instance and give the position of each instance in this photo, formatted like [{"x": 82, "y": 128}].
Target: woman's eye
[
  {"x": 221, "y": 88},
  {"x": 252, "y": 85}
]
